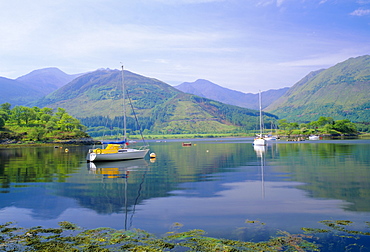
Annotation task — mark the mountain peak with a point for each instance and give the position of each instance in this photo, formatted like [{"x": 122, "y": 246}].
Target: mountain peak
[
  {"x": 46, "y": 80},
  {"x": 201, "y": 81}
]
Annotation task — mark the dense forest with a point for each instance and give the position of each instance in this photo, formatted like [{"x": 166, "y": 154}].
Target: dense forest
[{"x": 38, "y": 124}]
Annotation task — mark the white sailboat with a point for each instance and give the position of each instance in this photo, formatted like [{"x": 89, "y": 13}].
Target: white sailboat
[
  {"x": 313, "y": 137},
  {"x": 259, "y": 140},
  {"x": 270, "y": 137},
  {"x": 114, "y": 151}
]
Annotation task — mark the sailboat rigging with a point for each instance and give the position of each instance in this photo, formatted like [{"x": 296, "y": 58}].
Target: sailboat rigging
[{"x": 118, "y": 150}]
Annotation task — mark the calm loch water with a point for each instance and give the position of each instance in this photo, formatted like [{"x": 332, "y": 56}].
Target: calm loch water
[{"x": 224, "y": 186}]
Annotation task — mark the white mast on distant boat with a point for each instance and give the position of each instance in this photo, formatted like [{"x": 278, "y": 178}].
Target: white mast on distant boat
[
  {"x": 124, "y": 107},
  {"x": 261, "y": 119},
  {"x": 260, "y": 140}
]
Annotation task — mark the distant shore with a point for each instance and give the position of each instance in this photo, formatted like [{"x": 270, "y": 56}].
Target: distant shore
[{"x": 92, "y": 141}]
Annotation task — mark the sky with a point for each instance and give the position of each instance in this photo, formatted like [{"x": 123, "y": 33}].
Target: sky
[{"x": 243, "y": 45}]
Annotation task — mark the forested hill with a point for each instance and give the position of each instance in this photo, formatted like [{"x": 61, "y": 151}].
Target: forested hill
[
  {"x": 340, "y": 92},
  {"x": 159, "y": 106}
]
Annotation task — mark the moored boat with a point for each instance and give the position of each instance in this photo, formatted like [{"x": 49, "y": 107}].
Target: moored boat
[
  {"x": 313, "y": 137},
  {"x": 270, "y": 138},
  {"x": 120, "y": 150}
]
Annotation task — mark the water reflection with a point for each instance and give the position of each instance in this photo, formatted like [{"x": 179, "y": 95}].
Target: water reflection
[
  {"x": 260, "y": 150},
  {"x": 214, "y": 185},
  {"x": 118, "y": 171},
  {"x": 331, "y": 170}
]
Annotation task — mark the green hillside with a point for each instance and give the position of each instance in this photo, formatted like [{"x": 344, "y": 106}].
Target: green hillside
[
  {"x": 340, "y": 92},
  {"x": 100, "y": 93},
  {"x": 97, "y": 96}
]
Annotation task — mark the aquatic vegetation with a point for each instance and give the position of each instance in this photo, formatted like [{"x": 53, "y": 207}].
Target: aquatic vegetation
[
  {"x": 340, "y": 234},
  {"x": 69, "y": 237},
  {"x": 339, "y": 225}
]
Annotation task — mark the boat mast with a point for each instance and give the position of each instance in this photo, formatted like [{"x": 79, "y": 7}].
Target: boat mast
[
  {"x": 260, "y": 103},
  {"x": 124, "y": 107}
]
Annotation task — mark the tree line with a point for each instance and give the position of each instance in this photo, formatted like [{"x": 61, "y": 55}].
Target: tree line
[
  {"x": 38, "y": 124},
  {"x": 324, "y": 125},
  {"x": 41, "y": 124},
  {"x": 103, "y": 125}
]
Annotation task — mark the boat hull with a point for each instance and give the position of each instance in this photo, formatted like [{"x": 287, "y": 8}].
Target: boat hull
[
  {"x": 313, "y": 137},
  {"x": 270, "y": 138},
  {"x": 259, "y": 142},
  {"x": 127, "y": 155}
]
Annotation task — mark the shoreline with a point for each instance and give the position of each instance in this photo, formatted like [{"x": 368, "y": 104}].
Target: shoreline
[{"x": 6, "y": 143}]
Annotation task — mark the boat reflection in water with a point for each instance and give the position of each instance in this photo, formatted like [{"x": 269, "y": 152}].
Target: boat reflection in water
[
  {"x": 117, "y": 169},
  {"x": 260, "y": 151},
  {"x": 118, "y": 172}
]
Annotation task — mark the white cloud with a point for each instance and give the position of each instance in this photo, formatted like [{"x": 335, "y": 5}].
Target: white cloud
[
  {"x": 320, "y": 61},
  {"x": 360, "y": 12},
  {"x": 264, "y": 3},
  {"x": 137, "y": 38},
  {"x": 279, "y": 2},
  {"x": 234, "y": 43}
]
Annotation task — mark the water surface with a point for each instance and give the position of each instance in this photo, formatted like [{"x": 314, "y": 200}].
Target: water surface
[{"x": 218, "y": 185}]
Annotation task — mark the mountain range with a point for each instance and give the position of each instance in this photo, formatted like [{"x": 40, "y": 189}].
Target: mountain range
[
  {"x": 33, "y": 86},
  {"x": 16, "y": 93},
  {"x": 340, "y": 92},
  {"x": 46, "y": 80},
  {"x": 160, "y": 107},
  {"x": 207, "y": 89}
]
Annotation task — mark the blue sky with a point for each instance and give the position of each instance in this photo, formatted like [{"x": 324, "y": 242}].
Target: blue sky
[{"x": 244, "y": 45}]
